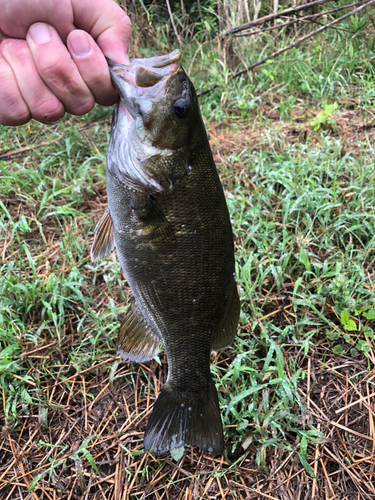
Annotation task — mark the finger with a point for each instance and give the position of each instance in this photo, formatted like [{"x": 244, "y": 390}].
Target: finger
[
  {"x": 44, "y": 106},
  {"x": 92, "y": 66},
  {"x": 58, "y": 70},
  {"x": 103, "y": 19},
  {"x": 18, "y": 15},
  {"x": 13, "y": 109},
  {"x": 107, "y": 24}
]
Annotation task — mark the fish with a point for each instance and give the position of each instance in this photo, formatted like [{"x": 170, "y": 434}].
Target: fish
[{"x": 168, "y": 220}]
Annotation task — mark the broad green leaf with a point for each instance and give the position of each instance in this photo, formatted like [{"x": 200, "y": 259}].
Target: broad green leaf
[
  {"x": 34, "y": 481},
  {"x": 344, "y": 317},
  {"x": 350, "y": 326},
  {"x": 363, "y": 346},
  {"x": 337, "y": 349},
  {"x": 177, "y": 453},
  {"x": 370, "y": 314}
]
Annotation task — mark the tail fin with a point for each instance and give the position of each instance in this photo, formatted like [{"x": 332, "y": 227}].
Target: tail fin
[{"x": 179, "y": 418}]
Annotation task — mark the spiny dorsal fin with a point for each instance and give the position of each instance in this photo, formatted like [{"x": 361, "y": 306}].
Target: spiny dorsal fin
[
  {"x": 104, "y": 238},
  {"x": 136, "y": 341},
  {"x": 228, "y": 327}
]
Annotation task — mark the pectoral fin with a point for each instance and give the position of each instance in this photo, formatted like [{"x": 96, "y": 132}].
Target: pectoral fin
[
  {"x": 136, "y": 340},
  {"x": 228, "y": 327},
  {"x": 155, "y": 225},
  {"x": 104, "y": 238}
]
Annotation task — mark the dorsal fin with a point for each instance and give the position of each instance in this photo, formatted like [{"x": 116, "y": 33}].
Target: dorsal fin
[{"x": 104, "y": 238}]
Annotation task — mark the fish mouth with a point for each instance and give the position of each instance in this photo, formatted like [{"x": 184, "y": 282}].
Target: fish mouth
[{"x": 145, "y": 78}]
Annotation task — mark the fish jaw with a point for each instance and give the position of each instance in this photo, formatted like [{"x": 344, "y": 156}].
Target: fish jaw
[{"x": 144, "y": 81}]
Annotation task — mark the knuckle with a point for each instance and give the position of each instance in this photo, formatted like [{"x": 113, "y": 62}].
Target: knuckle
[
  {"x": 6, "y": 73},
  {"x": 99, "y": 84},
  {"x": 50, "y": 70},
  {"x": 58, "y": 73},
  {"x": 18, "y": 111},
  {"x": 5, "y": 44},
  {"x": 15, "y": 47},
  {"x": 13, "y": 110},
  {"x": 65, "y": 82},
  {"x": 63, "y": 79},
  {"x": 81, "y": 106},
  {"x": 14, "y": 115},
  {"x": 48, "y": 110},
  {"x": 125, "y": 20}
]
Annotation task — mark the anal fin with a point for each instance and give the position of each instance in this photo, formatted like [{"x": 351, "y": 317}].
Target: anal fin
[
  {"x": 104, "y": 238},
  {"x": 136, "y": 341},
  {"x": 228, "y": 327}
]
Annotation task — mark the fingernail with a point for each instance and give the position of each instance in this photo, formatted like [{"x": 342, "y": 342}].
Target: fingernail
[
  {"x": 40, "y": 33},
  {"x": 79, "y": 44}
]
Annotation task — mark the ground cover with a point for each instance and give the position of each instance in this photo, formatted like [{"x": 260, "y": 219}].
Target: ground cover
[{"x": 296, "y": 389}]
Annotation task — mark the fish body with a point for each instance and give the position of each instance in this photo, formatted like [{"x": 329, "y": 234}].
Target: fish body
[{"x": 168, "y": 219}]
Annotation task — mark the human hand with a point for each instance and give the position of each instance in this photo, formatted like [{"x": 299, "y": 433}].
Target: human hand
[{"x": 52, "y": 57}]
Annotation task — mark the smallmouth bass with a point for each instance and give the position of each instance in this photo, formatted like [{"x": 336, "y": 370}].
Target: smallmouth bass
[{"x": 168, "y": 220}]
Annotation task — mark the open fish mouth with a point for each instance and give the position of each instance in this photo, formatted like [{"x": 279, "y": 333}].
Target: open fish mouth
[{"x": 145, "y": 78}]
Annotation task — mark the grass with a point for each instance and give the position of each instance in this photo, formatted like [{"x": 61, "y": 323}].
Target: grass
[{"x": 295, "y": 388}]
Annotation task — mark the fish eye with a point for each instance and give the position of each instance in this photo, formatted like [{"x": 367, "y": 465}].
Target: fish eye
[{"x": 181, "y": 108}]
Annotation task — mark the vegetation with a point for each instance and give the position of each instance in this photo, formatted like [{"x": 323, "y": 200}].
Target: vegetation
[{"x": 293, "y": 144}]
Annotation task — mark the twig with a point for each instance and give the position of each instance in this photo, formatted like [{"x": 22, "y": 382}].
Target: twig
[
  {"x": 299, "y": 19},
  {"x": 172, "y": 22},
  {"x": 137, "y": 471},
  {"x": 275, "y": 312},
  {"x": 339, "y": 461},
  {"x": 88, "y": 487},
  {"x": 327, "y": 479},
  {"x": 28, "y": 148},
  {"x": 270, "y": 17},
  {"x": 200, "y": 10},
  {"x": 314, "y": 485},
  {"x": 290, "y": 46},
  {"x": 360, "y": 400}
]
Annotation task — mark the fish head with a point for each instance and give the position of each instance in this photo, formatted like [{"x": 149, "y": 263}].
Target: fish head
[{"x": 158, "y": 110}]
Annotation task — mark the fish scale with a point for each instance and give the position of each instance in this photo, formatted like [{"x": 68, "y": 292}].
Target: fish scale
[{"x": 175, "y": 247}]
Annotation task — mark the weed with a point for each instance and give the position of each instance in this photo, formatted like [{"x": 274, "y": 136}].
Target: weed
[{"x": 325, "y": 119}]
